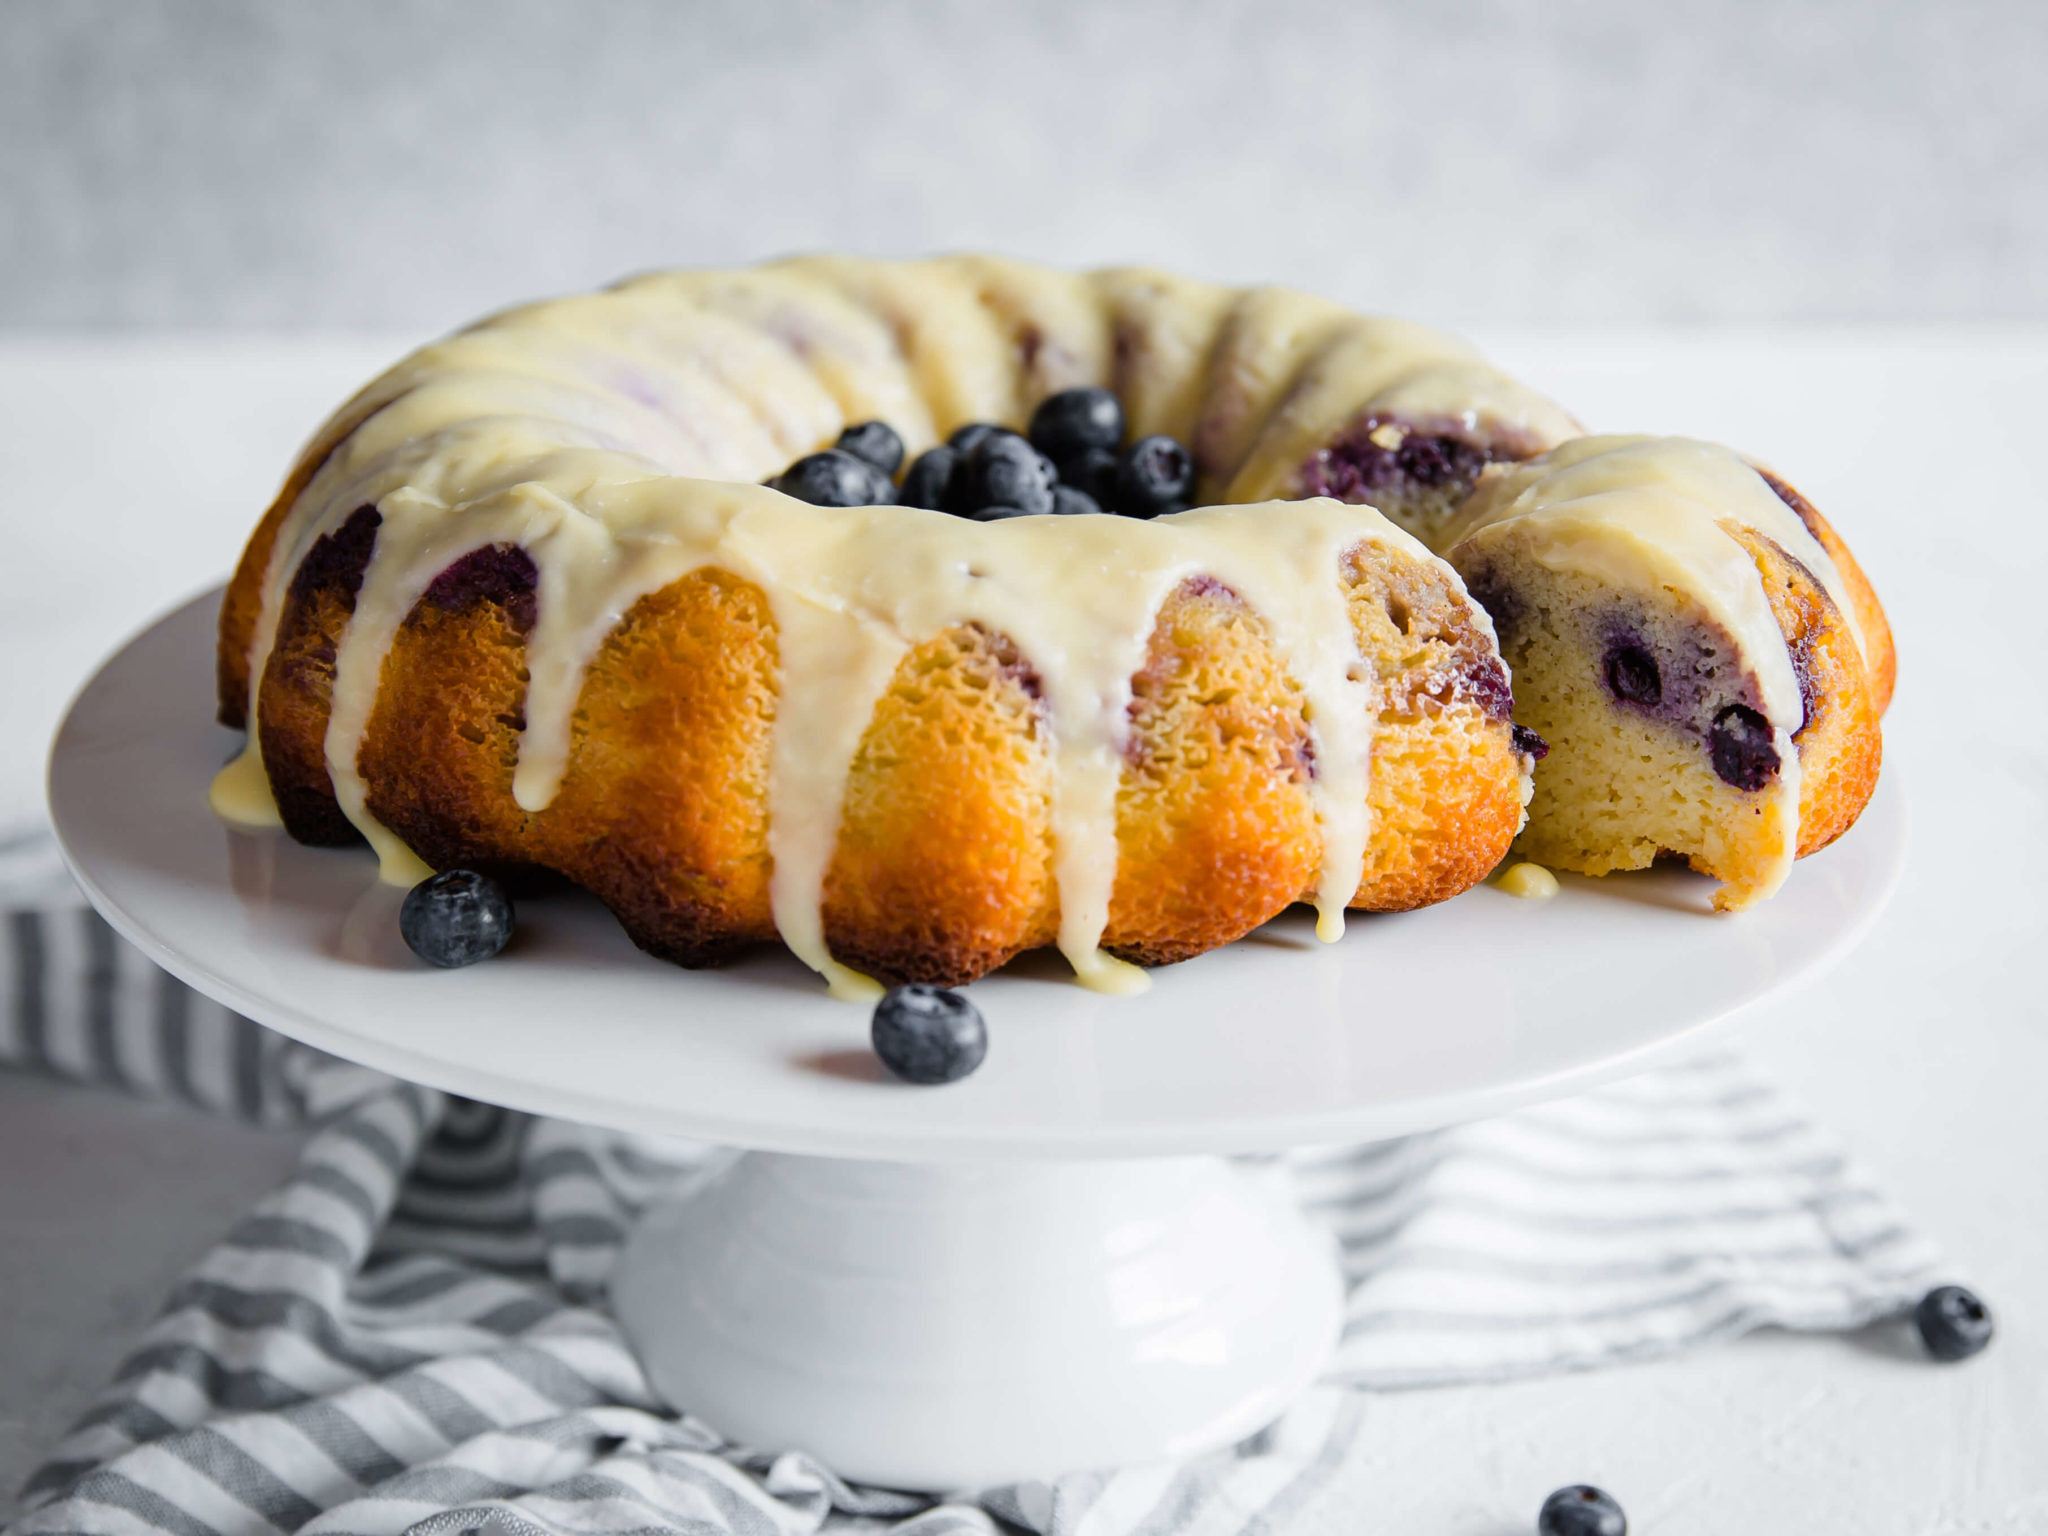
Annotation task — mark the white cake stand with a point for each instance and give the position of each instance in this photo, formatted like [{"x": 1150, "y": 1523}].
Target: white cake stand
[{"x": 1047, "y": 1266}]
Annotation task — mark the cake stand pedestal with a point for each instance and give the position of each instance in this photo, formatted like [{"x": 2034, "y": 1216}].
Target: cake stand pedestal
[
  {"x": 935, "y": 1325},
  {"x": 1056, "y": 1263}
]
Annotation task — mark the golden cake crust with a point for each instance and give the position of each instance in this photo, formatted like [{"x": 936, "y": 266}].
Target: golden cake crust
[
  {"x": 1840, "y": 746},
  {"x": 1880, "y": 656},
  {"x": 943, "y": 869}
]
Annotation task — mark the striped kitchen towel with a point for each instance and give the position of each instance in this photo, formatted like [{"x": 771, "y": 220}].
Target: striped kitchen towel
[{"x": 410, "y": 1334}]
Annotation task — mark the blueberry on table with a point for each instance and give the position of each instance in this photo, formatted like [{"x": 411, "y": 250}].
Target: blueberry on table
[
  {"x": 455, "y": 918},
  {"x": 928, "y": 1034},
  {"x": 1075, "y": 419},
  {"x": 873, "y": 442},
  {"x": 930, "y": 477},
  {"x": 834, "y": 478},
  {"x": 1581, "y": 1510},
  {"x": 1154, "y": 476},
  {"x": 1003, "y": 471},
  {"x": 1953, "y": 1323},
  {"x": 1069, "y": 502}
]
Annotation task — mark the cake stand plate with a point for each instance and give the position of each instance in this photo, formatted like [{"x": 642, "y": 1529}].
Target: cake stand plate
[{"x": 1048, "y": 1265}]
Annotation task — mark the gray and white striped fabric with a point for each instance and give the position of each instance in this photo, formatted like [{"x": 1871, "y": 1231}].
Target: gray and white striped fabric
[{"x": 410, "y": 1334}]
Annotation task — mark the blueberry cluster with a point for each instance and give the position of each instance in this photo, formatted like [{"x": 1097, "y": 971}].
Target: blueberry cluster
[
  {"x": 1072, "y": 460},
  {"x": 857, "y": 471}
]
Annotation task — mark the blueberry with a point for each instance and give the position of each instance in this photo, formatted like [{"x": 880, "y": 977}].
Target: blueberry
[
  {"x": 1632, "y": 674},
  {"x": 1075, "y": 419},
  {"x": 929, "y": 477},
  {"x": 1581, "y": 1510},
  {"x": 1003, "y": 471},
  {"x": 1741, "y": 747},
  {"x": 834, "y": 479},
  {"x": 1154, "y": 476},
  {"x": 873, "y": 442},
  {"x": 1953, "y": 1323},
  {"x": 1068, "y": 502},
  {"x": 997, "y": 513},
  {"x": 1092, "y": 471},
  {"x": 927, "y": 1034},
  {"x": 457, "y": 917},
  {"x": 970, "y": 437},
  {"x": 1528, "y": 743}
]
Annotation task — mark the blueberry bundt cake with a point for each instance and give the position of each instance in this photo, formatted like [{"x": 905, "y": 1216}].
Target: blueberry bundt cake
[{"x": 527, "y": 603}]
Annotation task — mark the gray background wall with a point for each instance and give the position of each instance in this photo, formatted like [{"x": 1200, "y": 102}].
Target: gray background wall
[{"x": 283, "y": 164}]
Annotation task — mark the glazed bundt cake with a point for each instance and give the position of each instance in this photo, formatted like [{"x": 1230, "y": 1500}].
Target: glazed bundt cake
[{"x": 525, "y": 603}]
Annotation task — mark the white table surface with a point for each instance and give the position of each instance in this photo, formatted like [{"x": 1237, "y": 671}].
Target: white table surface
[{"x": 130, "y": 472}]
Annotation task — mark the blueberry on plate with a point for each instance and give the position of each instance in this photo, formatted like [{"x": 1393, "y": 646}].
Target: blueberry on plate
[
  {"x": 1953, "y": 1323},
  {"x": 1154, "y": 476},
  {"x": 1067, "y": 501},
  {"x": 1003, "y": 471},
  {"x": 928, "y": 1034},
  {"x": 1581, "y": 1510},
  {"x": 1075, "y": 419},
  {"x": 835, "y": 478},
  {"x": 455, "y": 918},
  {"x": 873, "y": 442},
  {"x": 930, "y": 477}
]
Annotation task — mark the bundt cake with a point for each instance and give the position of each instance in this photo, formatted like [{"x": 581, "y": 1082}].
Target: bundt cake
[{"x": 525, "y": 604}]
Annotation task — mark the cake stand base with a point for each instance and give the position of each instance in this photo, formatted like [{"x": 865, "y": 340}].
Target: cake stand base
[{"x": 941, "y": 1327}]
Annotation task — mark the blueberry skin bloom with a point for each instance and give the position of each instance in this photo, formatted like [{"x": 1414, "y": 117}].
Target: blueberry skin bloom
[
  {"x": 928, "y": 1035},
  {"x": 456, "y": 918},
  {"x": 1581, "y": 1510},
  {"x": 1003, "y": 471},
  {"x": 873, "y": 442},
  {"x": 1953, "y": 1323},
  {"x": 1075, "y": 419},
  {"x": 835, "y": 478},
  {"x": 1154, "y": 476}
]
